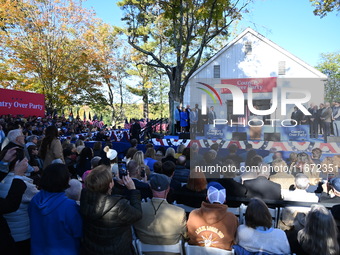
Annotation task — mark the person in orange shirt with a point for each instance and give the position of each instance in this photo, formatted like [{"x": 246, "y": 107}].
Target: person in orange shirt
[{"x": 212, "y": 225}]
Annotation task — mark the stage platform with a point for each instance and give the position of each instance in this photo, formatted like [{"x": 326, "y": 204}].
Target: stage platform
[{"x": 289, "y": 146}]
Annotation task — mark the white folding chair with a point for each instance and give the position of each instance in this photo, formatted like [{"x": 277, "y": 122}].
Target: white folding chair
[
  {"x": 186, "y": 208},
  {"x": 273, "y": 212},
  {"x": 237, "y": 212},
  {"x": 200, "y": 250},
  {"x": 173, "y": 248}
]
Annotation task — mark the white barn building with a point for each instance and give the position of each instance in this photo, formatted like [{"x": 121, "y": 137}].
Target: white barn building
[{"x": 253, "y": 60}]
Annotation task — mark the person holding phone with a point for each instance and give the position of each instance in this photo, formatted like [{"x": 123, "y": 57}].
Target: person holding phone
[
  {"x": 16, "y": 139},
  {"x": 333, "y": 191},
  {"x": 140, "y": 181},
  {"x": 107, "y": 218},
  {"x": 12, "y": 201}
]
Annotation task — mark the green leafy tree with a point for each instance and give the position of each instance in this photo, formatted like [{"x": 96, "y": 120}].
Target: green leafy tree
[
  {"x": 174, "y": 34},
  {"x": 322, "y": 7},
  {"x": 330, "y": 65},
  {"x": 110, "y": 59}
]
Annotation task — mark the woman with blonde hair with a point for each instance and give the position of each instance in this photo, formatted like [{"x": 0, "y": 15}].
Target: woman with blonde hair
[
  {"x": 149, "y": 158},
  {"x": 139, "y": 158},
  {"x": 169, "y": 155}
]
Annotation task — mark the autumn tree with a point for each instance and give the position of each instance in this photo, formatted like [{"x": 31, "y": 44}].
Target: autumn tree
[
  {"x": 330, "y": 65},
  {"x": 41, "y": 46},
  {"x": 143, "y": 79},
  {"x": 186, "y": 27},
  {"x": 110, "y": 59},
  {"x": 322, "y": 7}
]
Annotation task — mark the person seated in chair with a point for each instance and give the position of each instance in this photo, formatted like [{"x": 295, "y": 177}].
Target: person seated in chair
[
  {"x": 258, "y": 234},
  {"x": 212, "y": 225},
  {"x": 162, "y": 223},
  {"x": 261, "y": 187}
]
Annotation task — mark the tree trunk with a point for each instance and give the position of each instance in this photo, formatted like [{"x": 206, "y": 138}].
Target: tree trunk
[{"x": 145, "y": 105}]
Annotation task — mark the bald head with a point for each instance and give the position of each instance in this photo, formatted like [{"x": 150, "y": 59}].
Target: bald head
[{"x": 181, "y": 160}]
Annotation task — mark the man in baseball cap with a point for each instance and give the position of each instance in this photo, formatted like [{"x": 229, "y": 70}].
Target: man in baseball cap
[
  {"x": 162, "y": 223},
  {"x": 212, "y": 225}
]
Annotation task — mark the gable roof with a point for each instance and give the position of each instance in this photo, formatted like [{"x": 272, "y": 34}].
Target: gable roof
[{"x": 267, "y": 41}]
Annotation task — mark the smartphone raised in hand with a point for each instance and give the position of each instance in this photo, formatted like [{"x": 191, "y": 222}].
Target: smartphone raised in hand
[{"x": 122, "y": 169}]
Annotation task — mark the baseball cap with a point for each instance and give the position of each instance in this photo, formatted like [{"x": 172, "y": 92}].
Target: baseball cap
[
  {"x": 159, "y": 182},
  {"x": 216, "y": 193},
  {"x": 335, "y": 182}
]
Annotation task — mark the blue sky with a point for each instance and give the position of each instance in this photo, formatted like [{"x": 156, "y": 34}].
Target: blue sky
[{"x": 289, "y": 23}]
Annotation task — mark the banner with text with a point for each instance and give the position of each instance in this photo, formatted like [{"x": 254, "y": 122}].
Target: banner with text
[
  {"x": 259, "y": 85},
  {"x": 19, "y": 102}
]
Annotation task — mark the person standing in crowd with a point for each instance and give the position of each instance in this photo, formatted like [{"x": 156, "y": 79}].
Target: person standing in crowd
[
  {"x": 258, "y": 234},
  {"x": 135, "y": 130},
  {"x": 162, "y": 223},
  {"x": 184, "y": 119},
  {"x": 178, "y": 119},
  {"x": 56, "y": 225},
  {"x": 326, "y": 119},
  {"x": 314, "y": 122},
  {"x": 321, "y": 108},
  {"x": 199, "y": 120},
  {"x": 107, "y": 218},
  {"x": 193, "y": 122},
  {"x": 188, "y": 110},
  {"x": 212, "y": 225},
  {"x": 296, "y": 115},
  {"x": 211, "y": 115},
  {"x": 51, "y": 148},
  {"x": 336, "y": 119},
  {"x": 310, "y": 110},
  {"x": 13, "y": 199}
]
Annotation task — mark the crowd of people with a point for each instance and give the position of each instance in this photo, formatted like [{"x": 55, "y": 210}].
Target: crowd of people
[
  {"x": 324, "y": 119},
  {"x": 63, "y": 197}
]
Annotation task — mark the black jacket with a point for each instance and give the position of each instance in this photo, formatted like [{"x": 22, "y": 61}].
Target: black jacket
[
  {"x": 107, "y": 221},
  {"x": 262, "y": 188}
]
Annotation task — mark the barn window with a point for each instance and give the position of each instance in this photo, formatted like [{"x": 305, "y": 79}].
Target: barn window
[
  {"x": 282, "y": 68},
  {"x": 248, "y": 48},
  {"x": 217, "y": 71}
]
